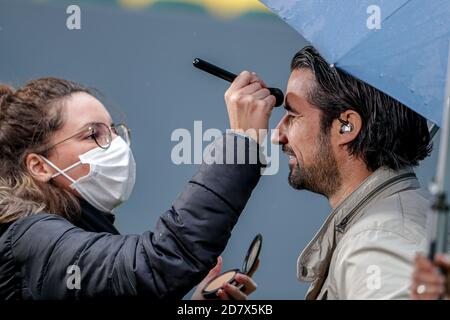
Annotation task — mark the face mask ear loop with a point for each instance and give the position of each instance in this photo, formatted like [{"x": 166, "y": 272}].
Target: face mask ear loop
[{"x": 63, "y": 172}]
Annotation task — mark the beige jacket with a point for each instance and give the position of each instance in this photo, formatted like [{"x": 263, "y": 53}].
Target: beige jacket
[{"x": 366, "y": 247}]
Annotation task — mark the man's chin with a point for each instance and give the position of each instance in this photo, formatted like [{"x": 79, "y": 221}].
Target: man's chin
[{"x": 295, "y": 180}]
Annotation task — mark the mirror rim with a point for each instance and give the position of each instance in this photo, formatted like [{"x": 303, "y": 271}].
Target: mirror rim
[
  {"x": 213, "y": 292},
  {"x": 258, "y": 239}
]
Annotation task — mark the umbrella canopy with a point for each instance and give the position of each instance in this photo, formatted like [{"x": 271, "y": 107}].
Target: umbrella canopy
[{"x": 400, "y": 47}]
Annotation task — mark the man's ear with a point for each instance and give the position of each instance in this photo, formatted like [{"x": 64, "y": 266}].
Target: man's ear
[
  {"x": 38, "y": 168},
  {"x": 347, "y": 127}
]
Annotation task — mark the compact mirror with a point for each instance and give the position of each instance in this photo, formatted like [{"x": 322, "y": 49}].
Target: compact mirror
[{"x": 211, "y": 289}]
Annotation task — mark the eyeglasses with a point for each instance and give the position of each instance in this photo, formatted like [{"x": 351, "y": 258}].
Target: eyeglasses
[{"x": 101, "y": 133}]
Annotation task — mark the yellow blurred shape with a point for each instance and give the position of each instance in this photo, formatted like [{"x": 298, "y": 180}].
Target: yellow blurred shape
[
  {"x": 136, "y": 4},
  {"x": 222, "y": 8}
]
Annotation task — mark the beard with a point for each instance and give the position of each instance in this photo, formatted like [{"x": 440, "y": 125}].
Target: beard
[{"x": 322, "y": 176}]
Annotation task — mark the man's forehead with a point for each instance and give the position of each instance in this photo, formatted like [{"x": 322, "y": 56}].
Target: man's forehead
[
  {"x": 299, "y": 86},
  {"x": 301, "y": 81}
]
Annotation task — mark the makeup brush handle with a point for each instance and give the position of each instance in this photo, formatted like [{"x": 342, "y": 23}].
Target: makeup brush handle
[{"x": 229, "y": 76}]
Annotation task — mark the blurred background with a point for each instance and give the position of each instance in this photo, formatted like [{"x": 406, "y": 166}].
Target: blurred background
[{"x": 138, "y": 54}]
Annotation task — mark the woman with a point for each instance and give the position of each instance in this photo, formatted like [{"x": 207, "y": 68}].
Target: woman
[{"x": 64, "y": 167}]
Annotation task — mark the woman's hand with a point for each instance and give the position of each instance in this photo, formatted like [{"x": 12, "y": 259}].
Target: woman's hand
[
  {"x": 228, "y": 291},
  {"x": 249, "y": 105},
  {"x": 428, "y": 282}
]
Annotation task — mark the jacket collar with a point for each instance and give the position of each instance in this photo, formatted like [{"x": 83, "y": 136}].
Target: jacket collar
[
  {"x": 315, "y": 258},
  {"x": 94, "y": 220}
]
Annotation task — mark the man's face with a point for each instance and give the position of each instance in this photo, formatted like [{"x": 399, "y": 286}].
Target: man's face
[{"x": 312, "y": 163}]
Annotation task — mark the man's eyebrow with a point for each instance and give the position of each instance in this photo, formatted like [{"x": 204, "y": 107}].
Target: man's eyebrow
[{"x": 288, "y": 107}]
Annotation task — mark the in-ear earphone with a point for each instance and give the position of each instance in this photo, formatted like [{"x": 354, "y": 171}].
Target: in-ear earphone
[{"x": 346, "y": 127}]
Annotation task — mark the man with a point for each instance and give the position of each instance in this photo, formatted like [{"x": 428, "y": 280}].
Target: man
[{"x": 356, "y": 146}]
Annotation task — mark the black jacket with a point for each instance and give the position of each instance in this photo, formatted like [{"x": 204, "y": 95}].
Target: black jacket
[{"x": 36, "y": 252}]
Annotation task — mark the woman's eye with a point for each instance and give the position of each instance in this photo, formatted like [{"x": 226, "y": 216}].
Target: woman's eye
[{"x": 90, "y": 136}]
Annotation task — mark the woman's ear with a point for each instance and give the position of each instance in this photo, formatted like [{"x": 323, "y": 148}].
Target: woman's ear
[
  {"x": 347, "y": 127},
  {"x": 38, "y": 168}
]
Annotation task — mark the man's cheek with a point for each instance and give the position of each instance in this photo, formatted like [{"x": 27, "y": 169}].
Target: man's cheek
[{"x": 298, "y": 154}]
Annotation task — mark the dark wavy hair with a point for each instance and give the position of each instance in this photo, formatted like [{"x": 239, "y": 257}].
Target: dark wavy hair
[{"x": 392, "y": 135}]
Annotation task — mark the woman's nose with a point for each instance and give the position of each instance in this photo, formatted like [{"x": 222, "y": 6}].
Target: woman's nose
[{"x": 279, "y": 134}]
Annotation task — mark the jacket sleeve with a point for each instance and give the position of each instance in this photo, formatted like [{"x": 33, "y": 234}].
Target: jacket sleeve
[{"x": 166, "y": 263}]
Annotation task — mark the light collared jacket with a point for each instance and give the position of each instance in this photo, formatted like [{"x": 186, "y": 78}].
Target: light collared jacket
[{"x": 366, "y": 247}]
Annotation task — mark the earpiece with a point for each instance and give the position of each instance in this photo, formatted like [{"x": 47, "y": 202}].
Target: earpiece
[{"x": 346, "y": 127}]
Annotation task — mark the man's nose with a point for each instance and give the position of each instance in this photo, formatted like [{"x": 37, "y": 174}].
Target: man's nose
[{"x": 279, "y": 134}]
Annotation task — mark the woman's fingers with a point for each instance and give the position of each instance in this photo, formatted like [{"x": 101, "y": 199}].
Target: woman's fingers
[
  {"x": 212, "y": 273},
  {"x": 256, "y": 78},
  {"x": 251, "y": 88},
  {"x": 249, "y": 286},
  {"x": 217, "y": 269},
  {"x": 222, "y": 295},
  {"x": 234, "y": 292},
  {"x": 262, "y": 93},
  {"x": 240, "y": 291},
  {"x": 245, "y": 286}
]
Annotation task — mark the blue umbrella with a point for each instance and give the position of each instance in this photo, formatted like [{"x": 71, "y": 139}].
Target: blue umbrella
[{"x": 398, "y": 46}]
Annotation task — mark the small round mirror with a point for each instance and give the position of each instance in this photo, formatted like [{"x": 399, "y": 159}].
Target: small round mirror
[
  {"x": 252, "y": 255},
  {"x": 215, "y": 284}
]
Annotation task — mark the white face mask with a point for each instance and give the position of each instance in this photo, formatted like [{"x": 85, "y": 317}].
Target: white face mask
[{"x": 111, "y": 177}]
